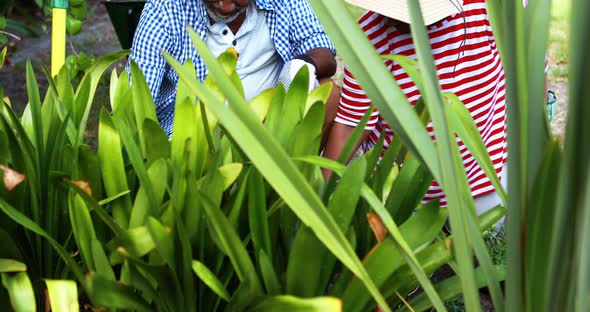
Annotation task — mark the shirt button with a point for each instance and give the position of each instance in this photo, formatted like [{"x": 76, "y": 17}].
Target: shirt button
[
  {"x": 234, "y": 42},
  {"x": 225, "y": 31}
]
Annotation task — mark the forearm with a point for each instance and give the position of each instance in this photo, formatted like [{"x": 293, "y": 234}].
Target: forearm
[
  {"x": 339, "y": 135},
  {"x": 324, "y": 60}
]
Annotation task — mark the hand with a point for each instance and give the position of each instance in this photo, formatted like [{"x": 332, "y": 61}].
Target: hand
[{"x": 291, "y": 68}]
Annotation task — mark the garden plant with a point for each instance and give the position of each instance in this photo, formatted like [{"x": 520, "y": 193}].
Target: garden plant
[{"x": 232, "y": 213}]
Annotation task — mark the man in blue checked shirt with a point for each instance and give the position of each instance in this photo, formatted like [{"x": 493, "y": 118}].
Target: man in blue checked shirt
[{"x": 273, "y": 39}]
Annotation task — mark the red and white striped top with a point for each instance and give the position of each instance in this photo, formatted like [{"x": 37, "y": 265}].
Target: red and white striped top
[{"x": 468, "y": 65}]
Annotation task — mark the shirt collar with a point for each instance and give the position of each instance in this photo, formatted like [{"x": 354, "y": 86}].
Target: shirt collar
[{"x": 260, "y": 4}]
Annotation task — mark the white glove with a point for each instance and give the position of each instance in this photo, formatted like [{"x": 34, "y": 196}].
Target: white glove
[{"x": 292, "y": 67}]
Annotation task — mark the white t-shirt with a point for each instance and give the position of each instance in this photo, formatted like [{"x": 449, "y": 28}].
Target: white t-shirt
[{"x": 259, "y": 64}]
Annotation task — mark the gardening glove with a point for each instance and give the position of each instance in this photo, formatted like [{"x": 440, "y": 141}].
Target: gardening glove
[{"x": 291, "y": 68}]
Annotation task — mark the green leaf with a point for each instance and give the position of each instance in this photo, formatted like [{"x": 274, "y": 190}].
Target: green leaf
[
  {"x": 83, "y": 229},
  {"x": 210, "y": 280},
  {"x": 408, "y": 189},
  {"x": 113, "y": 167},
  {"x": 157, "y": 145},
  {"x": 257, "y": 214},
  {"x": 269, "y": 276},
  {"x": 318, "y": 95},
  {"x": 290, "y": 303},
  {"x": 143, "y": 102},
  {"x": 231, "y": 244},
  {"x": 261, "y": 103},
  {"x": 120, "y": 92},
  {"x": 20, "y": 291},
  {"x": 106, "y": 293},
  {"x": 101, "y": 262},
  {"x": 158, "y": 173},
  {"x": 63, "y": 295},
  {"x": 9, "y": 266},
  {"x": 310, "y": 264},
  {"x": 35, "y": 105},
  {"x": 163, "y": 241},
  {"x": 230, "y": 173}
]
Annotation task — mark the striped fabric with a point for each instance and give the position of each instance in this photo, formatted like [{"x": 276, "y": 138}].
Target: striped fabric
[{"x": 468, "y": 65}]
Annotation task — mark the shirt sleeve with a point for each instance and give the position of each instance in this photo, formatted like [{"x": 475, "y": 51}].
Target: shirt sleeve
[
  {"x": 354, "y": 104},
  {"x": 152, "y": 35},
  {"x": 306, "y": 32}
]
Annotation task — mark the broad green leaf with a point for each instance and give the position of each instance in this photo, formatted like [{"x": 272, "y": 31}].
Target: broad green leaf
[
  {"x": 9, "y": 266},
  {"x": 63, "y": 295},
  {"x": 143, "y": 103},
  {"x": 83, "y": 229},
  {"x": 230, "y": 173},
  {"x": 78, "y": 105},
  {"x": 113, "y": 88},
  {"x": 408, "y": 189},
  {"x": 101, "y": 262},
  {"x": 113, "y": 167},
  {"x": 290, "y": 303},
  {"x": 121, "y": 96},
  {"x": 140, "y": 241},
  {"x": 20, "y": 291},
  {"x": 158, "y": 173},
  {"x": 261, "y": 103},
  {"x": 319, "y": 94},
  {"x": 163, "y": 241},
  {"x": 210, "y": 280},
  {"x": 185, "y": 137},
  {"x": 274, "y": 164},
  {"x": 157, "y": 145},
  {"x": 541, "y": 214}
]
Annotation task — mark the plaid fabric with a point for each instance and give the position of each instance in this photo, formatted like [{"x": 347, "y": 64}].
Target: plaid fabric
[{"x": 294, "y": 28}]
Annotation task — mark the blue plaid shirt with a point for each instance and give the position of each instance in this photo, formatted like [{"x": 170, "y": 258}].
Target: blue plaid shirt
[{"x": 294, "y": 29}]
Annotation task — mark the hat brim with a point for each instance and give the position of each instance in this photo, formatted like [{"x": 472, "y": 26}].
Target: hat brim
[{"x": 432, "y": 10}]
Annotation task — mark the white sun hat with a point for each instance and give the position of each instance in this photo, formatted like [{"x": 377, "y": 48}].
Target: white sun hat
[{"x": 432, "y": 10}]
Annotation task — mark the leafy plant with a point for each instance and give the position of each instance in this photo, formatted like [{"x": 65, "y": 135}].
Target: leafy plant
[{"x": 44, "y": 147}]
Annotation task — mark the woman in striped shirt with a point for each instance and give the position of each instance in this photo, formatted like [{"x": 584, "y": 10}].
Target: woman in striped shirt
[{"x": 468, "y": 65}]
